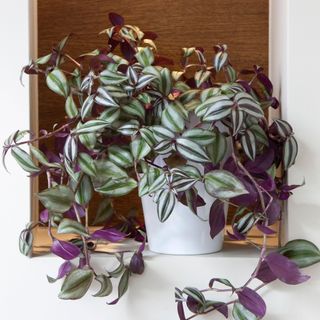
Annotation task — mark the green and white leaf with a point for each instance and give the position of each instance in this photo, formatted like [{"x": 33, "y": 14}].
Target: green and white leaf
[
  {"x": 57, "y": 199},
  {"x": 248, "y": 104},
  {"x": 76, "y": 284},
  {"x": 117, "y": 188},
  {"x": 87, "y": 107},
  {"x": 58, "y": 83},
  {"x": 214, "y": 108},
  {"x": 302, "y": 252},
  {"x": 110, "y": 115},
  {"x": 220, "y": 60},
  {"x": 290, "y": 152},
  {"x": 172, "y": 119},
  {"x": 104, "y": 212},
  {"x": 201, "y": 76},
  {"x": 144, "y": 81},
  {"x": 239, "y": 312},
  {"x": 165, "y": 81},
  {"x": 135, "y": 108},
  {"x": 218, "y": 149},
  {"x": 145, "y": 56},
  {"x": 148, "y": 136},
  {"x": 190, "y": 150},
  {"x": 223, "y": 184},
  {"x": 41, "y": 157},
  {"x": 103, "y": 98},
  {"x": 165, "y": 204},
  {"x": 85, "y": 191},
  {"x": 200, "y": 136},
  {"x": 70, "y": 150},
  {"x": 71, "y": 107},
  {"x": 108, "y": 77},
  {"x": 130, "y": 128},
  {"x": 92, "y": 126},
  {"x": 24, "y": 160},
  {"x": 105, "y": 286},
  {"x": 248, "y": 143},
  {"x": 161, "y": 133},
  {"x": 120, "y": 156},
  {"x": 158, "y": 183},
  {"x": 139, "y": 148},
  {"x": 71, "y": 226}
]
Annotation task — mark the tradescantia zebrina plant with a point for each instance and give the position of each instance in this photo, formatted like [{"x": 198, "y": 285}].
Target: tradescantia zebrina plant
[{"x": 126, "y": 107}]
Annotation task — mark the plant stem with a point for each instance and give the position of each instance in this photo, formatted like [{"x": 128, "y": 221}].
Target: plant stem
[{"x": 85, "y": 249}]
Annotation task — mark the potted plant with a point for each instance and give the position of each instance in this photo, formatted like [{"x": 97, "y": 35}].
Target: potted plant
[{"x": 193, "y": 141}]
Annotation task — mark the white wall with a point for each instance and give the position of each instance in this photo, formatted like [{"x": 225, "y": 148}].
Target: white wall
[{"x": 24, "y": 291}]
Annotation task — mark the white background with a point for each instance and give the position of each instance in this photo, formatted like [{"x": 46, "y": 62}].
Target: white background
[{"x": 24, "y": 291}]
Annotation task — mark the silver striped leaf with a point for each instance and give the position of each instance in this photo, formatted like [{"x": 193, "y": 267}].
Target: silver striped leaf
[
  {"x": 158, "y": 183},
  {"x": 165, "y": 204},
  {"x": 200, "y": 136},
  {"x": 231, "y": 73},
  {"x": 187, "y": 171},
  {"x": 165, "y": 81},
  {"x": 120, "y": 156},
  {"x": 58, "y": 83},
  {"x": 144, "y": 81},
  {"x": 201, "y": 76},
  {"x": 237, "y": 120},
  {"x": 283, "y": 127},
  {"x": 143, "y": 187},
  {"x": 248, "y": 104},
  {"x": 172, "y": 118},
  {"x": 103, "y": 98},
  {"x": 187, "y": 52},
  {"x": 41, "y": 157},
  {"x": 108, "y": 77},
  {"x": 195, "y": 294},
  {"x": 116, "y": 91},
  {"x": 71, "y": 107},
  {"x": 87, "y": 107},
  {"x": 290, "y": 152},
  {"x": 218, "y": 149},
  {"x": 215, "y": 108},
  {"x": 117, "y": 187},
  {"x": 24, "y": 160},
  {"x": 220, "y": 60},
  {"x": 87, "y": 164},
  {"x": 248, "y": 143},
  {"x": 161, "y": 133},
  {"x": 147, "y": 135},
  {"x": 135, "y": 108},
  {"x": 260, "y": 134},
  {"x": 208, "y": 93},
  {"x": 139, "y": 149},
  {"x": 89, "y": 140},
  {"x": 163, "y": 147},
  {"x": 92, "y": 126},
  {"x": 239, "y": 312},
  {"x": 70, "y": 150},
  {"x": 132, "y": 75},
  {"x": 222, "y": 184},
  {"x": 145, "y": 56},
  {"x": 110, "y": 115},
  {"x": 182, "y": 183},
  {"x": 85, "y": 191},
  {"x": 191, "y": 150},
  {"x": 130, "y": 128}
]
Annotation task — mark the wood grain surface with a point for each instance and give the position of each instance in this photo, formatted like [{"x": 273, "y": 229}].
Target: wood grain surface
[{"x": 241, "y": 24}]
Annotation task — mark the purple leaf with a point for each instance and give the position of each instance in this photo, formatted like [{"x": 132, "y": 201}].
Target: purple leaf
[
  {"x": 44, "y": 216},
  {"x": 116, "y": 19},
  {"x": 217, "y": 218},
  {"x": 249, "y": 198},
  {"x": 273, "y": 212},
  {"x": 265, "y": 81},
  {"x": 236, "y": 234},
  {"x": 252, "y": 301},
  {"x": 71, "y": 213},
  {"x": 261, "y": 163},
  {"x": 267, "y": 183},
  {"x": 265, "y": 274},
  {"x": 181, "y": 311},
  {"x": 264, "y": 229},
  {"x": 65, "y": 250},
  {"x": 64, "y": 269},
  {"x": 193, "y": 305},
  {"x": 127, "y": 50},
  {"x": 137, "y": 263},
  {"x": 223, "y": 309},
  {"x": 284, "y": 269},
  {"x": 150, "y": 35},
  {"x": 109, "y": 234}
]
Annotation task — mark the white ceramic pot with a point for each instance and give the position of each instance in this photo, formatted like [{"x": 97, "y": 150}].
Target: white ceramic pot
[{"x": 182, "y": 233}]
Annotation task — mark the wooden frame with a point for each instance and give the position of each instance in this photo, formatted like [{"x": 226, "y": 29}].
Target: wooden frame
[{"x": 42, "y": 243}]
